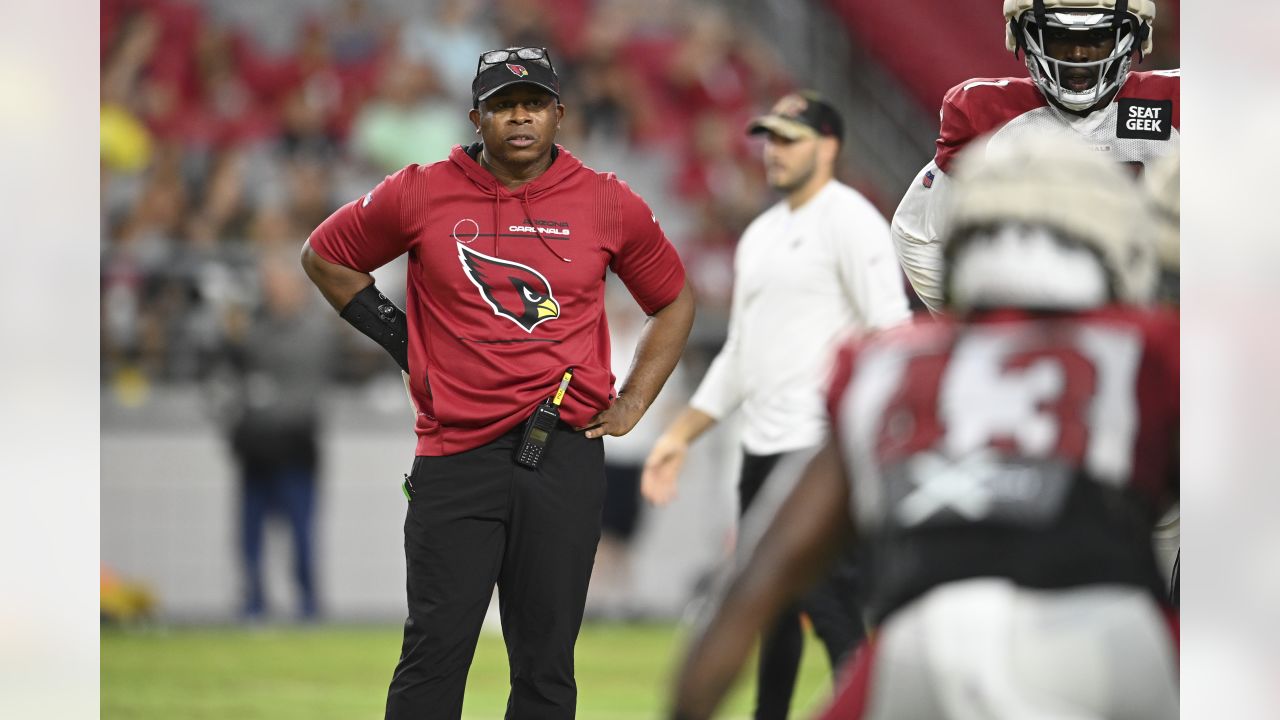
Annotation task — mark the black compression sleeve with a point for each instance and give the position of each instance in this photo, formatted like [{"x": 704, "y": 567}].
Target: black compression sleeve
[{"x": 373, "y": 314}]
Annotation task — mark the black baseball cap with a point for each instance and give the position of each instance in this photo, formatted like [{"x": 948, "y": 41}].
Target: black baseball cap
[
  {"x": 800, "y": 115},
  {"x": 499, "y": 68}
]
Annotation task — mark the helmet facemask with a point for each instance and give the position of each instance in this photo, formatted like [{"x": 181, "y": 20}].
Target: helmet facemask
[{"x": 1052, "y": 75}]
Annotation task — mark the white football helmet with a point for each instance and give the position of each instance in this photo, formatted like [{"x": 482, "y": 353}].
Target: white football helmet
[
  {"x": 1046, "y": 223},
  {"x": 1028, "y": 21}
]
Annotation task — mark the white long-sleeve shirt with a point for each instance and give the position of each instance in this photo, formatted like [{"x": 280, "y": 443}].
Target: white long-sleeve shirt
[{"x": 802, "y": 279}]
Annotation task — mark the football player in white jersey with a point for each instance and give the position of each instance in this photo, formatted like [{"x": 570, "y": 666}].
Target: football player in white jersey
[
  {"x": 1078, "y": 55},
  {"x": 1002, "y": 465}
]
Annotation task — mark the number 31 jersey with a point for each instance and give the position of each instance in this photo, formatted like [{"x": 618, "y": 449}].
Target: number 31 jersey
[{"x": 1035, "y": 447}]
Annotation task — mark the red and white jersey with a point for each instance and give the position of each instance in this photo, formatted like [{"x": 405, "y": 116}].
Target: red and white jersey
[
  {"x": 1034, "y": 447},
  {"x": 1139, "y": 126}
]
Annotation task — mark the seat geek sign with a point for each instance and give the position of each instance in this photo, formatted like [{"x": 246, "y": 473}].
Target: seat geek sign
[{"x": 1145, "y": 119}]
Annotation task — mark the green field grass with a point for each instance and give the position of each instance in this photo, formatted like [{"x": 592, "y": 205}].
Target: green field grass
[{"x": 341, "y": 673}]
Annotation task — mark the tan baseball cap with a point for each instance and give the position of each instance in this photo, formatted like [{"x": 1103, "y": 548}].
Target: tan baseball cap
[{"x": 800, "y": 115}]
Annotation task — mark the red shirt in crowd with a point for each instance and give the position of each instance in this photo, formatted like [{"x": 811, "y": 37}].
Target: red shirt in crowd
[{"x": 505, "y": 287}]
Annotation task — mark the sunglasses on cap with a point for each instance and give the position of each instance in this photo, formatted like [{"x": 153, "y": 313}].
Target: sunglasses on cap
[
  {"x": 499, "y": 68},
  {"x": 536, "y": 54}
]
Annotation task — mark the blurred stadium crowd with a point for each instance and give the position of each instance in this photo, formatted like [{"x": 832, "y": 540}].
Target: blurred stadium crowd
[{"x": 231, "y": 129}]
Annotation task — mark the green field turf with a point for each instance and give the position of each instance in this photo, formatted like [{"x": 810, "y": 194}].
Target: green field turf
[{"x": 341, "y": 673}]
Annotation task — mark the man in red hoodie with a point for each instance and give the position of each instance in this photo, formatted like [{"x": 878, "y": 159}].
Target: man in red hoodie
[{"x": 508, "y": 243}]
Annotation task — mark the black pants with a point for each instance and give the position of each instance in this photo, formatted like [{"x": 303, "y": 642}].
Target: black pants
[
  {"x": 477, "y": 518},
  {"x": 832, "y": 607}
]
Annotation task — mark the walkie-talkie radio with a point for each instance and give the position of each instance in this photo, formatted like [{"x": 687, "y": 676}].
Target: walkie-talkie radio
[{"x": 537, "y": 429}]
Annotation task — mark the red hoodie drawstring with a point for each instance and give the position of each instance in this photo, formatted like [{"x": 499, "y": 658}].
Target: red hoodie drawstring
[
  {"x": 497, "y": 215},
  {"x": 470, "y": 166},
  {"x": 524, "y": 201}
]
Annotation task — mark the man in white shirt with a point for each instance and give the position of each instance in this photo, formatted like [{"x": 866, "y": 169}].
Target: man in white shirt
[{"x": 813, "y": 267}]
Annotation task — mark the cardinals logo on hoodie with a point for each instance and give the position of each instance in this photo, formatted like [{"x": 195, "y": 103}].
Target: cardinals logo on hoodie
[{"x": 514, "y": 291}]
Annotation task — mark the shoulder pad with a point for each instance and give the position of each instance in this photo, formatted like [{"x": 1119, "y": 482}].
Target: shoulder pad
[
  {"x": 1155, "y": 85},
  {"x": 978, "y": 106}
]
